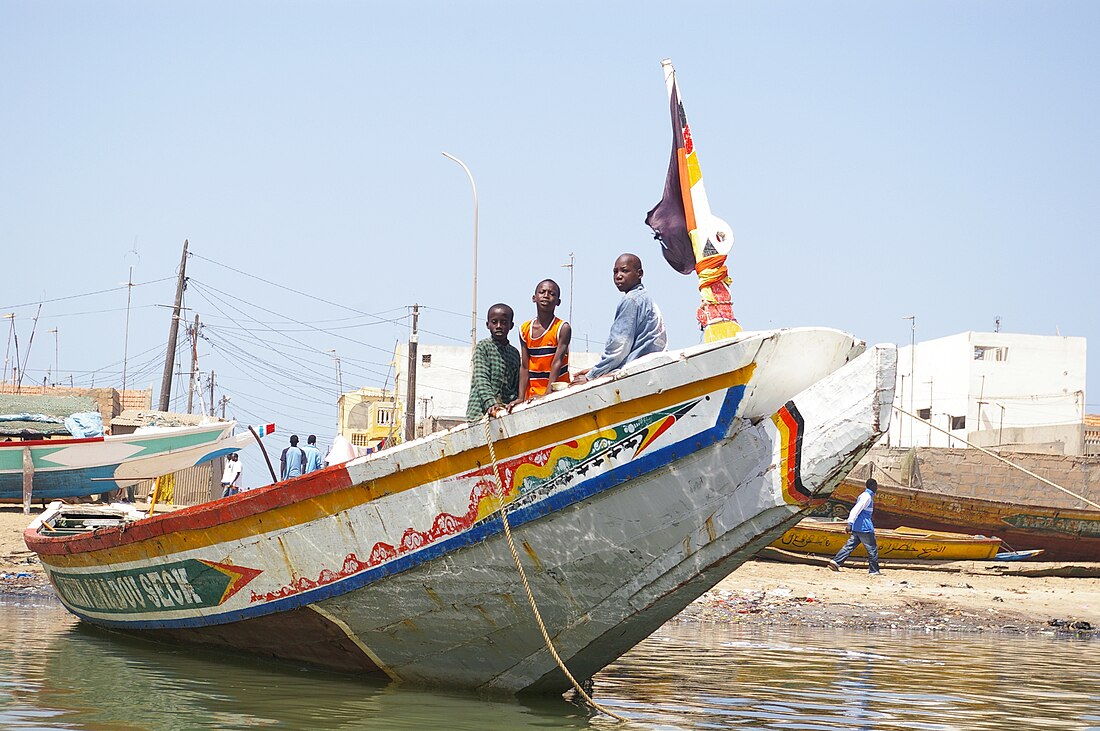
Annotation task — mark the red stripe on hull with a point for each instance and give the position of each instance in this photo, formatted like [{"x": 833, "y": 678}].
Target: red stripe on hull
[{"x": 198, "y": 517}]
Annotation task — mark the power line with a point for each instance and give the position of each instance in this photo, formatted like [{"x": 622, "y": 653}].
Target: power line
[
  {"x": 283, "y": 286},
  {"x": 85, "y": 294}
]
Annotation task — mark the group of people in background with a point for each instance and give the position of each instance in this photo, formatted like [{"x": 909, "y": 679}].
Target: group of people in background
[
  {"x": 502, "y": 376},
  {"x": 294, "y": 462},
  {"x": 297, "y": 461}
]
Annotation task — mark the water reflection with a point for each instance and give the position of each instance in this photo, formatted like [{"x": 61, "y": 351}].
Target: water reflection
[
  {"x": 735, "y": 677},
  {"x": 57, "y": 674}
]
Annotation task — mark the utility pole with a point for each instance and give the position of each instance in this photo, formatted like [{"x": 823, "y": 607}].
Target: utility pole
[
  {"x": 126, "y": 330},
  {"x": 339, "y": 374},
  {"x": 424, "y": 421},
  {"x": 211, "y": 392},
  {"x": 912, "y": 372},
  {"x": 56, "y": 356},
  {"x": 223, "y": 402},
  {"x": 410, "y": 398},
  {"x": 194, "y": 365},
  {"x": 30, "y": 344},
  {"x": 569, "y": 266},
  {"x": 173, "y": 333}
]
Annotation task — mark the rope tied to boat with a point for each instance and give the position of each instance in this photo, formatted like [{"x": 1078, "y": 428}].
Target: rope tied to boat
[
  {"x": 527, "y": 586},
  {"x": 998, "y": 457}
]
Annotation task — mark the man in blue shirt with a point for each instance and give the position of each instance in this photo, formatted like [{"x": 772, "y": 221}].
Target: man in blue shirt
[
  {"x": 862, "y": 528},
  {"x": 638, "y": 328},
  {"x": 313, "y": 455},
  {"x": 292, "y": 463}
]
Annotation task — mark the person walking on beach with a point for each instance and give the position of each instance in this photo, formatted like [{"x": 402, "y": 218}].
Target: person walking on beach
[
  {"x": 292, "y": 463},
  {"x": 862, "y": 529},
  {"x": 314, "y": 461}
]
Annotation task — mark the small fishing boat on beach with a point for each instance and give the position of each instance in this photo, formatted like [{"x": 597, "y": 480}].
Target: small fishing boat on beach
[
  {"x": 68, "y": 468},
  {"x": 594, "y": 514},
  {"x": 940, "y": 489},
  {"x": 826, "y": 537}
]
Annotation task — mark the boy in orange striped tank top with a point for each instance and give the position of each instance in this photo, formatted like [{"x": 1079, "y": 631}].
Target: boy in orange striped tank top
[{"x": 543, "y": 344}]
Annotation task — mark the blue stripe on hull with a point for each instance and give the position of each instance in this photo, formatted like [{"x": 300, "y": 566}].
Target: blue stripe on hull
[
  {"x": 54, "y": 484},
  {"x": 488, "y": 528}
]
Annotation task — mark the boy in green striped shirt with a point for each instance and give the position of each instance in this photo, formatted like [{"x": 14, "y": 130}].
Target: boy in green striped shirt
[{"x": 494, "y": 378}]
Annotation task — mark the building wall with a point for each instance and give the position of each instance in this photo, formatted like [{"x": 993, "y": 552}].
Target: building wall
[
  {"x": 368, "y": 416},
  {"x": 111, "y": 402},
  {"x": 443, "y": 383},
  {"x": 1024, "y": 392}
]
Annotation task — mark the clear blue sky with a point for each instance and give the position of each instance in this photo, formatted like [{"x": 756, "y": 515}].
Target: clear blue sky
[{"x": 875, "y": 160}]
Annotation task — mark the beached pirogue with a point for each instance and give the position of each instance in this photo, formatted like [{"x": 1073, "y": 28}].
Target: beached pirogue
[{"x": 627, "y": 497}]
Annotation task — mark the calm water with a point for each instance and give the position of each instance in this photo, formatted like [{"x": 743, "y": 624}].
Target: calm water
[{"x": 56, "y": 674}]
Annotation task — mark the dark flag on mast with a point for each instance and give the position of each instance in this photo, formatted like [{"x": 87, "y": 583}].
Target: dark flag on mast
[
  {"x": 692, "y": 238},
  {"x": 674, "y": 216}
]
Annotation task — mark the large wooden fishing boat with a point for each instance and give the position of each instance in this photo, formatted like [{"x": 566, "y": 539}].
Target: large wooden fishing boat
[
  {"x": 625, "y": 498},
  {"x": 826, "y": 537},
  {"x": 628, "y": 497},
  {"x": 65, "y": 468},
  {"x": 965, "y": 490}
]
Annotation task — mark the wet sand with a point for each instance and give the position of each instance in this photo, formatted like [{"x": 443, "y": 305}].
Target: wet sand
[{"x": 761, "y": 592}]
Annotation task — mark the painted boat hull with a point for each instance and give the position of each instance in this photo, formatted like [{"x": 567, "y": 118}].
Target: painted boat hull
[
  {"x": 65, "y": 468},
  {"x": 628, "y": 498},
  {"x": 826, "y": 538},
  {"x": 964, "y": 490}
]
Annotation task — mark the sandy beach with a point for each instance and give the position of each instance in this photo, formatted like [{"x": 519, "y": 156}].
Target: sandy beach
[{"x": 771, "y": 593}]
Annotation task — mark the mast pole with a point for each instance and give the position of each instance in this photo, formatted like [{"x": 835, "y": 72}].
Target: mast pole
[{"x": 173, "y": 333}]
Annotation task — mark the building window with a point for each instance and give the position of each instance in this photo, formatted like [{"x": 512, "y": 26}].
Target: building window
[
  {"x": 426, "y": 360},
  {"x": 383, "y": 417},
  {"x": 988, "y": 352},
  {"x": 958, "y": 422},
  {"x": 360, "y": 439},
  {"x": 925, "y": 414}
]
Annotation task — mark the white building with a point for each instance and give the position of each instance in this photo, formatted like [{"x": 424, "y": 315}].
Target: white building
[
  {"x": 1016, "y": 392},
  {"x": 443, "y": 383}
]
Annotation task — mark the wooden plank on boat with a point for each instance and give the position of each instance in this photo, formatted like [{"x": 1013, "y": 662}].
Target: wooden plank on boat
[{"x": 28, "y": 480}]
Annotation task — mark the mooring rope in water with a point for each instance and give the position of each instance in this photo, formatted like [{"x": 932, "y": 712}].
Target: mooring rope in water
[
  {"x": 998, "y": 457},
  {"x": 527, "y": 586}
]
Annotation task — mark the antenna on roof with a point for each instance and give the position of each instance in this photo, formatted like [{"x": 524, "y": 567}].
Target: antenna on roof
[{"x": 996, "y": 323}]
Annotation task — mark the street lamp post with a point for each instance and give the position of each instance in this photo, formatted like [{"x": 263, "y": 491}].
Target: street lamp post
[{"x": 473, "y": 312}]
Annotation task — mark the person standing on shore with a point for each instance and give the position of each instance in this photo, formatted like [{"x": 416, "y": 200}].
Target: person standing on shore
[
  {"x": 313, "y": 455},
  {"x": 292, "y": 462},
  {"x": 230, "y": 475},
  {"x": 862, "y": 530}
]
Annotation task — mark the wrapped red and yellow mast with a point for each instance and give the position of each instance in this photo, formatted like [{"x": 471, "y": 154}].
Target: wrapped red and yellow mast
[{"x": 692, "y": 238}]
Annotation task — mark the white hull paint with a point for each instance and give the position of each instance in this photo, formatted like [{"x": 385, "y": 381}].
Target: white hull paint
[{"x": 628, "y": 498}]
